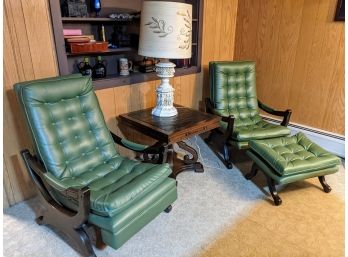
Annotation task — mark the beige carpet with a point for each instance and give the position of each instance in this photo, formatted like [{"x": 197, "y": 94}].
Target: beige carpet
[{"x": 308, "y": 223}]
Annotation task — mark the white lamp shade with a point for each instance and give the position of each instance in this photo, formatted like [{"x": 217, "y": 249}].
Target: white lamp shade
[{"x": 165, "y": 30}]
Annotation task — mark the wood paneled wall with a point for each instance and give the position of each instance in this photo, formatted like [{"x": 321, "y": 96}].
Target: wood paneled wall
[
  {"x": 29, "y": 54},
  {"x": 299, "y": 53}
]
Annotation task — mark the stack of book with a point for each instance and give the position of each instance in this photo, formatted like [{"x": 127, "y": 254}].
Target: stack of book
[{"x": 76, "y": 42}]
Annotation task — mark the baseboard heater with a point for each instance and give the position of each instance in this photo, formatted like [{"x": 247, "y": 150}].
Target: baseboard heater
[{"x": 331, "y": 142}]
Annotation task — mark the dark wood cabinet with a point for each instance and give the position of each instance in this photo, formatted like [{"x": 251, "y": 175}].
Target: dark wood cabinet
[{"x": 91, "y": 25}]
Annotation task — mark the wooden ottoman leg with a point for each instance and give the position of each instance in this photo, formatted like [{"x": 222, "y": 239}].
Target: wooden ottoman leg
[
  {"x": 323, "y": 183},
  {"x": 252, "y": 173},
  {"x": 272, "y": 189}
]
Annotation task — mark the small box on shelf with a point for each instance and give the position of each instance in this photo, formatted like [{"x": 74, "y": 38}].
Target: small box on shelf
[{"x": 93, "y": 47}]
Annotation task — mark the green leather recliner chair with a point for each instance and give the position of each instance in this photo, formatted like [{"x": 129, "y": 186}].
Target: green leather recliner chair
[
  {"x": 87, "y": 188},
  {"x": 234, "y": 98}
]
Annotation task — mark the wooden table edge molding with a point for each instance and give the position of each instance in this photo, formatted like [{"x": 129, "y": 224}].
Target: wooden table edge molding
[{"x": 203, "y": 124}]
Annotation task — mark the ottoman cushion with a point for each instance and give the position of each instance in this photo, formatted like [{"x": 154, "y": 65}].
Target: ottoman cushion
[{"x": 293, "y": 155}]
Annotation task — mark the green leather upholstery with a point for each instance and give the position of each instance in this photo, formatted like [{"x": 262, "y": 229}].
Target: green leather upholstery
[
  {"x": 288, "y": 159},
  {"x": 233, "y": 91},
  {"x": 77, "y": 150},
  {"x": 67, "y": 124},
  {"x": 116, "y": 184},
  {"x": 258, "y": 130}
]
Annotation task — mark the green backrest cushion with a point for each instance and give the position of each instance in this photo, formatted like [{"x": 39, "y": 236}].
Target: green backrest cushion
[
  {"x": 67, "y": 125},
  {"x": 233, "y": 90}
]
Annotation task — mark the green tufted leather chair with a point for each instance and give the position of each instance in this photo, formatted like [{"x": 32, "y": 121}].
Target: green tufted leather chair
[
  {"x": 87, "y": 188},
  {"x": 234, "y": 98}
]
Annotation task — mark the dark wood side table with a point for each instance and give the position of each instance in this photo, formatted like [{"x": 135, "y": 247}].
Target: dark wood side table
[{"x": 172, "y": 130}]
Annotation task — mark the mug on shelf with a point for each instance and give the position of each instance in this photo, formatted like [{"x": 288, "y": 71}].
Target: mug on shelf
[{"x": 125, "y": 66}]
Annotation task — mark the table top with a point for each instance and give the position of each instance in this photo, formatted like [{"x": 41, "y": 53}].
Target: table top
[{"x": 187, "y": 123}]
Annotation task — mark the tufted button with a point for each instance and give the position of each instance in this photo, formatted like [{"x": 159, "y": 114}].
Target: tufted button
[
  {"x": 53, "y": 123},
  {"x": 62, "y": 100},
  {"x": 66, "y": 162},
  {"x": 97, "y": 148},
  {"x": 76, "y": 137},
  {"x": 83, "y": 154},
  {"x": 89, "y": 131}
]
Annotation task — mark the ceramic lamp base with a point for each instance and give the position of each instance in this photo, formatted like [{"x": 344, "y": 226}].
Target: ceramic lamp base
[{"x": 165, "y": 92}]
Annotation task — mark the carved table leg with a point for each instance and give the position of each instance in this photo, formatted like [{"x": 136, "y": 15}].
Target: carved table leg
[{"x": 189, "y": 163}]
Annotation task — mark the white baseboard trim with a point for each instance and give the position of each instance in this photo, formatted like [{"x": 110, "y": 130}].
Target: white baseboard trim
[{"x": 332, "y": 142}]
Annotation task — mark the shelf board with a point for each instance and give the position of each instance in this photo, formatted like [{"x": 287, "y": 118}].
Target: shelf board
[
  {"x": 93, "y": 20},
  {"x": 137, "y": 77},
  {"x": 109, "y": 52},
  {"x": 97, "y": 20}
]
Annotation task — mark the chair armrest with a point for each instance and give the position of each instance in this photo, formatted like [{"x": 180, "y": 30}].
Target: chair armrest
[
  {"x": 45, "y": 181},
  {"x": 285, "y": 114},
  {"x": 81, "y": 196},
  {"x": 209, "y": 108},
  {"x": 157, "y": 148}
]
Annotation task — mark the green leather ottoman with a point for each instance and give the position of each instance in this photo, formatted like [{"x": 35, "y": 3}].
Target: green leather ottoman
[{"x": 288, "y": 159}]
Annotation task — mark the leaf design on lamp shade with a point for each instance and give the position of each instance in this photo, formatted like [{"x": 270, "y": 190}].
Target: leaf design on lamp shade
[
  {"x": 159, "y": 27},
  {"x": 186, "y": 31}
]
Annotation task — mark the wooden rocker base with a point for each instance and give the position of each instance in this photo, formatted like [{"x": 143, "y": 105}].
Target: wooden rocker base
[
  {"x": 272, "y": 185},
  {"x": 69, "y": 226},
  {"x": 73, "y": 224}
]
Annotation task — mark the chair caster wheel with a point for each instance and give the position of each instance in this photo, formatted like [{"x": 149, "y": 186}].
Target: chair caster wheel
[{"x": 168, "y": 209}]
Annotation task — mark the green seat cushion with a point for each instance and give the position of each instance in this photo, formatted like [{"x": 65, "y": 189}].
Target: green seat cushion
[
  {"x": 259, "y": 130},
  {"x": 116, "y": 184},
  {"x": 266, "y": 168},
  {"x": 293, "y": 155},
  {"x": 119, "y": 228},
  {"x": 118, "y": 221}
]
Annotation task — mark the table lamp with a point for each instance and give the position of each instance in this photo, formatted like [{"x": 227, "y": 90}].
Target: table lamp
[{"x": 165, "y": 33}]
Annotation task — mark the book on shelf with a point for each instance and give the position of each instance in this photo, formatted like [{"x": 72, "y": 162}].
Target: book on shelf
[{"x": 79, "y": 39}]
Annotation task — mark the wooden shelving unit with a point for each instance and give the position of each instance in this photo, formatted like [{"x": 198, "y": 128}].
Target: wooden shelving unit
[
  {"x": 92, "y": 20},
  {"x": 67, "y": 61}
]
